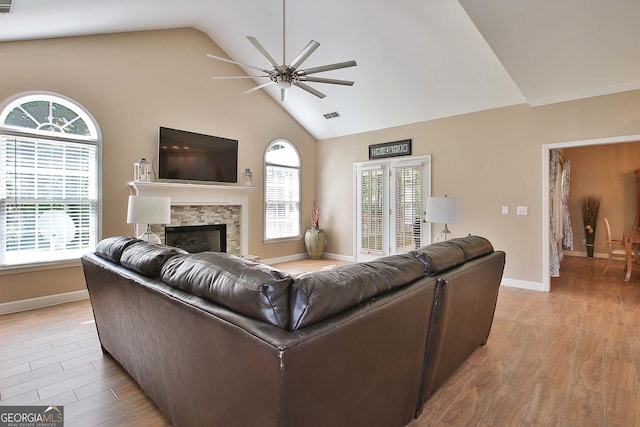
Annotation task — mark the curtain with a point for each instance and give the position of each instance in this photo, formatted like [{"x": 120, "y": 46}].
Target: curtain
[
  {"x": 554, "y": 261},
  {"x": 567, "y": 240}
]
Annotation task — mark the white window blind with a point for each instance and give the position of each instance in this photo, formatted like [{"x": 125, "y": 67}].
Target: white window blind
[
  {"x": 372, "y": 209},
  {"x": 49, "y": 161},
  {"x": 282, "y": 191},
  {"x": 282, "y": 202},
  {"x": 48, "y": 199},
  {"x": 408, "y": 207}
]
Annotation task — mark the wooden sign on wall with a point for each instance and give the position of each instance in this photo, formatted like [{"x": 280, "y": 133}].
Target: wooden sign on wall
[{"x": 390, "y": 149}]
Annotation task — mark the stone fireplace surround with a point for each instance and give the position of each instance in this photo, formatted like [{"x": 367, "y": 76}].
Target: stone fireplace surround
[{"x": 199, "y": 204}]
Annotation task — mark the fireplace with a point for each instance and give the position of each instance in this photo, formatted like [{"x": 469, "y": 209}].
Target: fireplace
[
  {"x": 198, "y": 238},
  {"x": 203, "y": 204}
]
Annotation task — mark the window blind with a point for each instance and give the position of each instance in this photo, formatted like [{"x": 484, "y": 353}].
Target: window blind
[
  {"x": 408, "y": 207},
  {"x": 372, "y": 205},
  {"x": 48, "y": 199},
  {"x": 282, "y": 202}
]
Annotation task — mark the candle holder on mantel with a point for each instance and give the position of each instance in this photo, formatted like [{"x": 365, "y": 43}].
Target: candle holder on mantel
[
  {"x": 247, "y": 177},
  {"x": 141, "y": 170}
]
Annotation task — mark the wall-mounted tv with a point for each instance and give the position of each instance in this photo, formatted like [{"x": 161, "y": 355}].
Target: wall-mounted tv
[{"x": 192, "y": 156}]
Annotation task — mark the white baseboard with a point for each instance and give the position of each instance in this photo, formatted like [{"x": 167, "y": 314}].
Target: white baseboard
[
  {"x": 522, "y": 284},
  {"x": 298, "y": 257},
  {"x": 339, "y": 257},
  {"x": 584, "y": 254},
  {"x": 39, "y": 302},
  {"x": 287, "y": 258}
]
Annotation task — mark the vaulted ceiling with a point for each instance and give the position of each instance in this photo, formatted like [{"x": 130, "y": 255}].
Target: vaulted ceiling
[{"x": 417, "y": 60}]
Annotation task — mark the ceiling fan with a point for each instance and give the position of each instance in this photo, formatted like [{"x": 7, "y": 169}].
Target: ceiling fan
[{"x": 287, "y": 75}]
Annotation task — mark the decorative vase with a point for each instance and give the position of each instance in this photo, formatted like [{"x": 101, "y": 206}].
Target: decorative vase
[
  {"x": 315, "y": 240},
  {"x": 590, "y": 206},
  {"x": 590, "y": 239},
  {"x": 589, "y": 251}
]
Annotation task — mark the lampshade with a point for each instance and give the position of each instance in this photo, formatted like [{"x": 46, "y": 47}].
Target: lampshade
[
  {"x": 149, "y": 210},
  {"x": 446, "y": 210}
]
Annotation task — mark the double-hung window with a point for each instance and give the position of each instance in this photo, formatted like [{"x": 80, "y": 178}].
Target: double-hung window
[
  {"x": 282, "y": 191},
  {"x": 49, "y": 180}
]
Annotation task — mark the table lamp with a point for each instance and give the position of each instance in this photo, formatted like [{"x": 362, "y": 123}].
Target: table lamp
[
  {"x": 447, "y": 210},
  {"x": 149, "y": 210}
]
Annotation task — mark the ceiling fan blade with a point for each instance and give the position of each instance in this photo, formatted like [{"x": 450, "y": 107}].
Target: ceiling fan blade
[
  {"x": 263, "y": 51},
  {"x": 304, "y": 54},
  {"x": 236, "y": 77},
  {"x": 253, "y": 89},
  {"x": 329, "y": 67},
  {"x": 237, "y": 63},
  {"x": 323, "y": 80},
  {"x": 310, "y": 89}
]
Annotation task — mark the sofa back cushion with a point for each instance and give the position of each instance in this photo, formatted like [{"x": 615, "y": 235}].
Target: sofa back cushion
[
  {"x": 473, "y": 246},
  {"x": 442, "y": 256},
  {"x": 148, "y": 258},
  {"x": 111, "y": 248},
  {"x": 253, "y": 289},
  {"x": 439, "y": 257},
  {"x": 322, "y": 294}
]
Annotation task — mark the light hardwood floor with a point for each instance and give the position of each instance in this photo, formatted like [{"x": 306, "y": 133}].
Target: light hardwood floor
[{"x": 566, "y": 358}]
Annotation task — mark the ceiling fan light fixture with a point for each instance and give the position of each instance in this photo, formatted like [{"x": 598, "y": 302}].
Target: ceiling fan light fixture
[{"x": 283, "y": 81}]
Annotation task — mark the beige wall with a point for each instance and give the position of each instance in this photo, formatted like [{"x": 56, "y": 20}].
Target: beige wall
[
  {"x": 490, "y": 159},
  {"x": 133, "y": 83},
  {"x": 606, "y": 171}
]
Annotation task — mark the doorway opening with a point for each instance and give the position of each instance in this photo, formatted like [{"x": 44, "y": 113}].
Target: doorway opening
[{"x": 546, "y": 222}]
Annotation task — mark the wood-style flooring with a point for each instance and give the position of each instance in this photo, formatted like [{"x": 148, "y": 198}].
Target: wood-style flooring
[{"x": 570, "y": 357}]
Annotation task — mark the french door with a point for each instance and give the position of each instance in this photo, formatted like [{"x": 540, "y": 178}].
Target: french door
[{"x": 391, "y": 198}]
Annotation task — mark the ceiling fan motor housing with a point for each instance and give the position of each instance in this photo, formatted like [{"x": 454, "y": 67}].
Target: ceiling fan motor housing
[{"x": 283, "y": 77}]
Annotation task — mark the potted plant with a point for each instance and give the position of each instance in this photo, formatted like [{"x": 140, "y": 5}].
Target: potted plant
[
  {"x": 315, "y": 238},
  {"x": 590, "y": 206}
]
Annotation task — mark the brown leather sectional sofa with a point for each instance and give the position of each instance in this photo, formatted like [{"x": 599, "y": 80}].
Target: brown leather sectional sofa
[{"x": 216, "y": 340}]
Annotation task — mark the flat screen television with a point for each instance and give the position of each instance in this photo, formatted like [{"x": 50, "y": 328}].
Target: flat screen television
[{"x": 190, "y": 156}]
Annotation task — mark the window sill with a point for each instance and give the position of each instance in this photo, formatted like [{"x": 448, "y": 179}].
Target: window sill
[
  {"x": 283, "y": 239},
  {"x": 28, "y": 268}
]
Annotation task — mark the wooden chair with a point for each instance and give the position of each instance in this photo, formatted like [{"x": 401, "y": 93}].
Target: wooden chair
[{"x": 614, "y": 254}]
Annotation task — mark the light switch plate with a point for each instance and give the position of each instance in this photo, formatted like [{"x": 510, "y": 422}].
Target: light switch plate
[
  {"x": 505, "y": 210},
  {"x": 522, "y": 210}
]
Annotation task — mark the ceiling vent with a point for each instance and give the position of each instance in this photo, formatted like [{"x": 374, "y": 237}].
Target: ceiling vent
[
  {"x": 331, "y": 115},
  {"x": 5, "y": 6}
]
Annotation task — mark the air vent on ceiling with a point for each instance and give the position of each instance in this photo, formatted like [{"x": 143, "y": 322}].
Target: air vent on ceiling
[
  {"x": 332, "y": 115},
  {"x": 5, "y": 6}
]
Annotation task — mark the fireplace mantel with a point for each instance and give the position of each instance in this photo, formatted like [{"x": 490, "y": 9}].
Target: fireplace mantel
[{"x": 201, "y": 195}]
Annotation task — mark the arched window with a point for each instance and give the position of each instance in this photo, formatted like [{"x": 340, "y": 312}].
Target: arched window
[
  {"x": 282, "y": 191},
  {"x": 49, "y": 180}
]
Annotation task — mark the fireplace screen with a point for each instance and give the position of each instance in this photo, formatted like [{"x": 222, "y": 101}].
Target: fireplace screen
[{"x": 198, "y": 238}]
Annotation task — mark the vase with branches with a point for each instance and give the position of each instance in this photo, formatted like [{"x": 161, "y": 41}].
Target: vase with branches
[
  {"x": 590, "y": 206},
  {"x": 315, "y": 239}
]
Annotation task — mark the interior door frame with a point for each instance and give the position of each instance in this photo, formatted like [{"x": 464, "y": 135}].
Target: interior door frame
[{"x": 546, "y": 221}]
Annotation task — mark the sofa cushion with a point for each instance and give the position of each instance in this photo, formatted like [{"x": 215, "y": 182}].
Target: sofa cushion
[
  {"x": 473, "y": 246},
  {"x": 439, "y": 256},
  {"x": 111, "y": 248},
  {"x": 148, "y": 258},
  {"x": 250, "y": 288},
  {"x": 321, "y": 294}
]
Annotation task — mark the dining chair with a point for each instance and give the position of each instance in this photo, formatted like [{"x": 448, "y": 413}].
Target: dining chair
[{"x": 614, "y": 254}]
